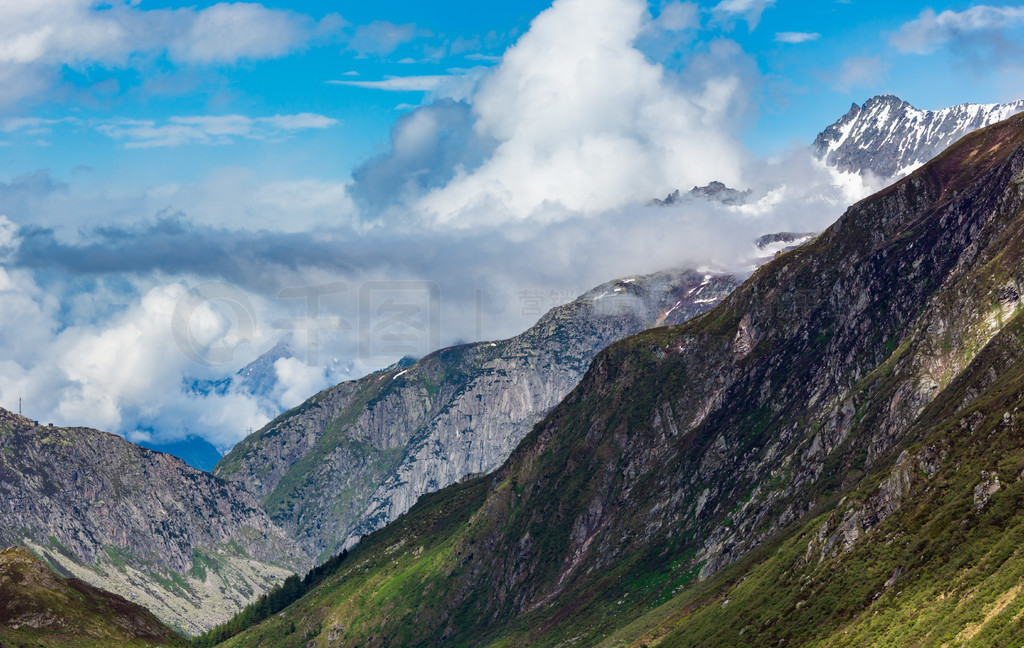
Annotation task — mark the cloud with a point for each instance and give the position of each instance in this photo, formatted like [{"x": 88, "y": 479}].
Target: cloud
[
  {"x": 124, "y": 374},
  {"x": 32, "y": 125},
  {"x": 38, "y": 38},
  {"x": 930, "y": 31},
  {"x": 400, "y": 84},
  {"x": 80, "y": 31},
  {"x": 225, "y": 33},
  {"x": 209, "y": 129},
  {"x": 459, "y": 84},
  {"x": 538, "y": 179},
  {"x": 477, "y": 56},
  {"x": 381, "y": 38},
  {"x": 229, "y": 198},
  {"x": 428, "y": 146},
  {"x": 678, "y": 16},
  {"x": 749, "y": 10},
  {"x": 89, "y": 321},
  {"x": 581, "y": 119},
  {"x": 860, "y": 71},
  {"x": 297, "y": 380},
  {"x": 9, "y": 239},
  {"x": 795, "y": 38}
]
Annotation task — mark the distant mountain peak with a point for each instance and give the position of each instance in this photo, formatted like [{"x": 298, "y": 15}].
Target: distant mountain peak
[
  {"x": 889, "y": 137},
  {"x": 714, "y": 191},
  {"x": 259, "y": 377}
]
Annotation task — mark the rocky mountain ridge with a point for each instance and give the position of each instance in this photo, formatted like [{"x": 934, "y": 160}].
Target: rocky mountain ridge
[
  {"x": 712, "y": 192},
  {"x": 889, "y": 138},
  {"x": 143, "y": 525}
]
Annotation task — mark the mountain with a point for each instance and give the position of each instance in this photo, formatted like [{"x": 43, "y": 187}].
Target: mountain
[
  {"x": 358, "y": 455},
  {"x": 40, "y": 608},
  {"x": 890, "y": 138},
  {"x": 713, "y": 192},
  {"x": 831, "y": 456},
  {"x": 259, "y": 377},
  {"x": 188, "y": 546}
]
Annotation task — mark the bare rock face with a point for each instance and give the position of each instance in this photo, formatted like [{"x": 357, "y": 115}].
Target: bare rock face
[
  {"x": 986, "y": 488},
  {"x": 144, "y": 525},
  {"x": 356, "y": 456}
]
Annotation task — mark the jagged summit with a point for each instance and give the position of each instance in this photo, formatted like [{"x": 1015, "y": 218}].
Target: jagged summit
[
  {"x": 259, "y": 377},
  {"x": 889, "y": 137},
  {"x": 714, "y": 191}
]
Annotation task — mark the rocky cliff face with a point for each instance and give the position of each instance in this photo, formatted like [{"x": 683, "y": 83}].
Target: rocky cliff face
[
  {"x": 144, "y": 525},
  {"x": 850, "y": 367},
  {"x": 39, "y": 608},
  {"x": 356, "y": 456},
  {"x": 890, "y": 138}
]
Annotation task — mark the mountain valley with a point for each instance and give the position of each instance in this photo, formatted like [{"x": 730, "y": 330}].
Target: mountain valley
[
  {"x": 812, "y": 443},
  {"x": 683, "y": 458}
]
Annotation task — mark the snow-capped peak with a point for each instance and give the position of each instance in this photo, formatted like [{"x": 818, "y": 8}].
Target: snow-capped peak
[{"x": 890, "y": 138}]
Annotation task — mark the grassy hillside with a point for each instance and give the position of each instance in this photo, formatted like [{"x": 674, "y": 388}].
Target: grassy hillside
[{"x": 38, "y": 608}]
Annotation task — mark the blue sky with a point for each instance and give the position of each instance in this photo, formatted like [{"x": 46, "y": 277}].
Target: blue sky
[
  {"x": 160, "y": 158},
  {"x": 849, "y": 56}
]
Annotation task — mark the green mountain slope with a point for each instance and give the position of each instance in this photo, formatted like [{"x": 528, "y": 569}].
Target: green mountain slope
[
  {"x": 39, "y": 608},
  {"x": 926, "y": 554},
  {"x": 846, "y": 398}
]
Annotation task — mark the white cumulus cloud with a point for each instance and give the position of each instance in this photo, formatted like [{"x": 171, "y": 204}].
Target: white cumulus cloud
[
  {"x": 122, "y": 374},
  {"x": 585, "y": 122},
  {"x": 227, "y": 32}
]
